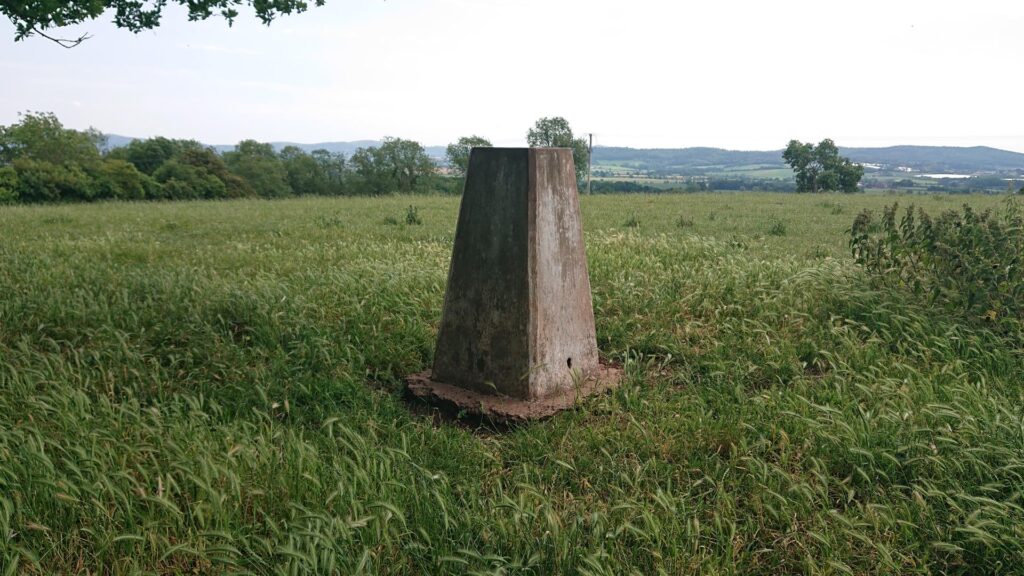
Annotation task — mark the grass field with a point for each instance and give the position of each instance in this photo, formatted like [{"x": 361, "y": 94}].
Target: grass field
[{"x": 215, "y": 388}]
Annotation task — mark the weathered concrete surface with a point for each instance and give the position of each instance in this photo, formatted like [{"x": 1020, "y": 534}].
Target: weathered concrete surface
[
  {"x": 563, "y": 342},
  {"x": 517, "y": 331},
  {"x": 484, "y": 335}
]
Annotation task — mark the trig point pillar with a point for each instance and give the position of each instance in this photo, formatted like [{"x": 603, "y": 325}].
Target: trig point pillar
[{"x": 517, "y": 334}]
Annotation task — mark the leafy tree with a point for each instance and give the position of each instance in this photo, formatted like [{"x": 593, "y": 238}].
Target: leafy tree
[
  {"x": 207, "y": 160},
  {"x": 119, "y": 180},
  {"x": 260, "y": 166},
  {"x": 40, "y": 136},
  {"x": 305, "y": 175},
  {"x": 457, "y": 153},
  {"x": 182, "y": 181},
  {"x": 555, "y": 132},
  {"x": 136, "y": 15},
  {"x": 147, "y": 155},
  {"x": 332, "y": 165},
  {"x": 821, "y": 168},
  {"x": 397, "y": 165}
]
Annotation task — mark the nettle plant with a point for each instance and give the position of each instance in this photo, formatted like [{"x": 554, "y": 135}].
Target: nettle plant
[{"x": 966, "y": 261}]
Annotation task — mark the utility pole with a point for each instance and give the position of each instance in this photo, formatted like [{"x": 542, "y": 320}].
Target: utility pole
[{"x": 590, "y": 160}]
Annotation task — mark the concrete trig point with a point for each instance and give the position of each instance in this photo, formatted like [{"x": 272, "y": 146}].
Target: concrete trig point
[{"x": 517, "y": 337}]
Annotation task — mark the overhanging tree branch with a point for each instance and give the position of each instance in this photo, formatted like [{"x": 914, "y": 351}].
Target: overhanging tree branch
[
  {"x": 62, "y": 42},
  {"x": 134, "y": 15}
]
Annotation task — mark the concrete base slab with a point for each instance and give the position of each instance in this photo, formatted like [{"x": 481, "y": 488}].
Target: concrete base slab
[{"x": 507, "y": 409}]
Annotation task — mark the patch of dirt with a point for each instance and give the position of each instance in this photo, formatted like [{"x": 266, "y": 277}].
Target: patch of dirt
[{"x": 505, "y": 409}]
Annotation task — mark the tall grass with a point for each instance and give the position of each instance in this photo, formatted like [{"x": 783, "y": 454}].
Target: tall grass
[{"x": 216, "y": 388}]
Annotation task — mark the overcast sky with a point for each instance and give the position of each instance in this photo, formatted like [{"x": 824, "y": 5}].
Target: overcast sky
[{"x": 739, "y": 74}]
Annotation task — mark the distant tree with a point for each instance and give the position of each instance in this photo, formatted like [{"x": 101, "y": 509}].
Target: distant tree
[
  {"x": 555, "y": 132},
  {"x": 208, "y": 160},
  {"x": 136, "y": 15},
  {"x": 396, "y": 166},
  {"x": 119, "y": 180},
  {"x": 305, "y": 175},
  {"x": 821, "y": 168},
  {"x": 457, "y": 153},
  {"x": 183, "y": 181},
  {"x": 332, "y": 165},
  {"x": 147, "y": 155},
  {"x": 40, "y": 136},
  {"x": 260, "y": 166}
]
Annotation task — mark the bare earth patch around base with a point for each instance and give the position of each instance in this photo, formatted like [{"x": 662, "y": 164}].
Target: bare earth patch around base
[{"x": 506, "y": 409}]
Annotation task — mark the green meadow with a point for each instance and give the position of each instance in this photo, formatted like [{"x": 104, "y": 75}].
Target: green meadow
[{"x": 217, "y": 388}]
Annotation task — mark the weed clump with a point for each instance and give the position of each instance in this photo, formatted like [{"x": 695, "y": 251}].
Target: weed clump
[
  {"x": 633, "y": 221},
  {"x": 412, "y": 216},
  {"x": 967, "y": 261},
  {"x": 684, "y": 222},
  {"x": 777, "y": 228}
]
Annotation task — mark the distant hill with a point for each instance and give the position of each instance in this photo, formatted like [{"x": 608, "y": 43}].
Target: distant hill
[
  {"x": 940, "y": 158},
  {"x": 978, "y": 159}
]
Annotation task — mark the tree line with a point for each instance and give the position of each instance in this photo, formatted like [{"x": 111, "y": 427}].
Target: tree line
[{"x": 42, "y": 161}]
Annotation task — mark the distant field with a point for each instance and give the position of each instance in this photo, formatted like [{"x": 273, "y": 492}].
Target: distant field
[
  {"x": 216, "y": 387},
  {"x": 757, "y": 172}
]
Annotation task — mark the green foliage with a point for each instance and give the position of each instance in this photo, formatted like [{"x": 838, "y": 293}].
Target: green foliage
[
  {"x": 777, "y": 228},
  {"x": 396, "y": 166},
  {"x": 555, "y": 132},
  {"x": 161, "y": 168},
  {"x": 821, "y": 168},
  {"x": 8, "y": 185},
  {"x": 40, "y": 181},
  {"x": 333, "y": 169},
  {"x": 259, "y": 165},
  {"x": 303, "y": 172},
  {"x": 207, "y": 161},
  {"x": 448, "y": 185},
  {"x": 621, "y": 186},
  {"x": 119, "y": 180},
  {"x": 40, "y": 136},
  {"x": 967, "y": 261},
  {"x": 412, "y": 216},
  {"x": 36, "y": 17},
  {"x": 632, "y": 221},
  {"x": 457, "y": 153},
  {"x": 149, "y": 154},
  {"x": 320, "y": 173},
  {"x": 182, "y": 181}
]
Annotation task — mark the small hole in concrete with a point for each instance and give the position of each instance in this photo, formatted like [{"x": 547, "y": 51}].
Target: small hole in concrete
[{"x": 568, "y": 362}]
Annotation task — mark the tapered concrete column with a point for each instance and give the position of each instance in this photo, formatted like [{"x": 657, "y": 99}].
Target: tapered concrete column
[{"x": 517, "y": 333}]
